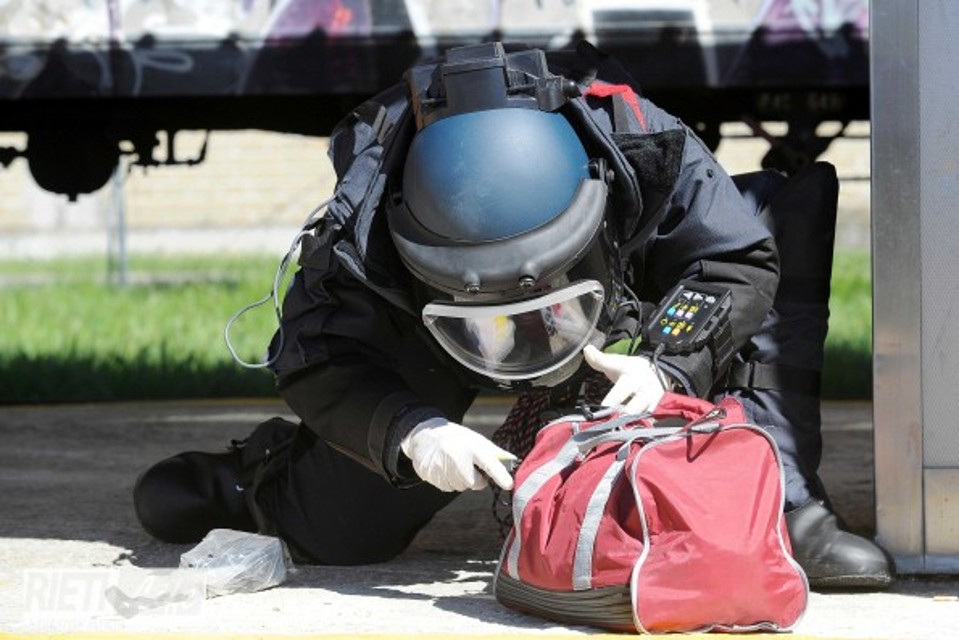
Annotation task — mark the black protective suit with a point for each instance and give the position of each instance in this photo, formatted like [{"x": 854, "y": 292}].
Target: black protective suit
[
  {"x": 355, "y": 362},
  {"x": 358, "y": 367}
]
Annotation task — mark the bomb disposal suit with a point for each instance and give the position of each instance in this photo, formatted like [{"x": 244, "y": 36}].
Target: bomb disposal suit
[{"x": 508, "y": 221}]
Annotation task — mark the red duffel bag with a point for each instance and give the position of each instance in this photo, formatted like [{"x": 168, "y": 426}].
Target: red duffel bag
[{"x": 658, "y": 523}]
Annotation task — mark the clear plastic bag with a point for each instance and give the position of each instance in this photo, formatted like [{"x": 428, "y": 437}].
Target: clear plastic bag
[{"x": 238, "y": 561}]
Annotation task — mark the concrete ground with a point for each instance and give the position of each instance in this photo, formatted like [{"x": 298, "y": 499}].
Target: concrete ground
[
  {"x": 67, "y": 530},
  {"x": 67, "y": 527}
]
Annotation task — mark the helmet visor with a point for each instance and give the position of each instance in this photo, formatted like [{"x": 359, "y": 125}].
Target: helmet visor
[{"x": 520, "y": 340}]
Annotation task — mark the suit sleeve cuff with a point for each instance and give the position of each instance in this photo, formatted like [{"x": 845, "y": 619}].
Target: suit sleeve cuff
[
  {"x": 394, "y": 418},
  {"x": 693, "y": 371}
]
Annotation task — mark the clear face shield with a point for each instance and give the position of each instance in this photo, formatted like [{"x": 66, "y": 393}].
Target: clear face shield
[{"x": 522, "y": 340}]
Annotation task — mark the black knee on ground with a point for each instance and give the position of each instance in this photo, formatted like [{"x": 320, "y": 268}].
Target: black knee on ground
[{"x": 182, "y": 498}]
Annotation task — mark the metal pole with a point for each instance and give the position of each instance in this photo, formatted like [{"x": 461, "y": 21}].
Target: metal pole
[{"x": 117, "y": 263}]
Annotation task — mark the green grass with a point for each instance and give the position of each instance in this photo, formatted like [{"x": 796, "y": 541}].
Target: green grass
[
  {"x": 847, "y": 372},
  {"x": 68, "y": 335}
]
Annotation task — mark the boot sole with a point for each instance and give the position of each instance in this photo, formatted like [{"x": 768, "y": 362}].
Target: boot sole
[{"x": 877, "y": 581}]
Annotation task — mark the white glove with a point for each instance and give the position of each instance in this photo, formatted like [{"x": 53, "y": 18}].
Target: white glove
[
  {"x": 453, "y": 458},
  {"x": 636, "y": 386}
]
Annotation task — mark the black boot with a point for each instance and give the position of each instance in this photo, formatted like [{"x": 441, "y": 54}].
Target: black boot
[
  {"x": 831, "y": 557},
  {"x": 184, "y": 497}
]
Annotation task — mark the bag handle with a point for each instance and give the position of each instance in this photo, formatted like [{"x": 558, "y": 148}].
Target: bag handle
[
  {"x": 629, "y": 436},
  {"x": 625, "y": 436}
]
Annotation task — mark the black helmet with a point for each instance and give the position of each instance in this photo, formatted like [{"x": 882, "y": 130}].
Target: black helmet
[{"x": 500, "y": 215}]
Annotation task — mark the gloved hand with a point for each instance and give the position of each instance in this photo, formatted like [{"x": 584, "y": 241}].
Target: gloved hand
[
  {"x": 452, "y": 457},
  {"x": 636, "y": 386}
]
